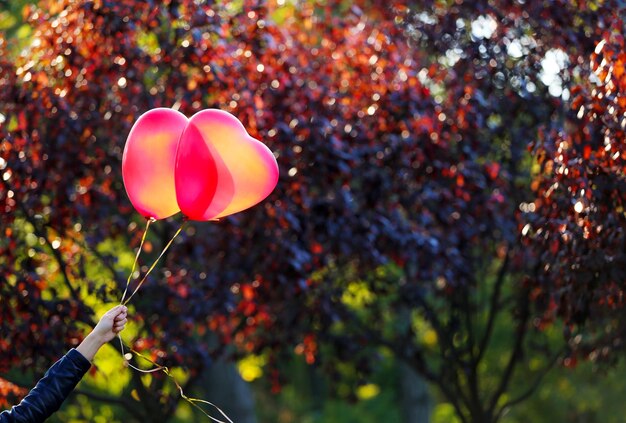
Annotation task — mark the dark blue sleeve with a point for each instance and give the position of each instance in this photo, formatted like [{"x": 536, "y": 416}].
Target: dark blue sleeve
[{"x": 50, "y": 392}]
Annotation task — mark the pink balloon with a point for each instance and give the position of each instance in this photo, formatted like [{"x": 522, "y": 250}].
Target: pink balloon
[
  {"x": 149, "y": 161},
  {"x": 220, "y": 169}
]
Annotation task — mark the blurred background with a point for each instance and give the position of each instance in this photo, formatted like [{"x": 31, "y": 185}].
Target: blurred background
[{"x": 445, "y": 243}]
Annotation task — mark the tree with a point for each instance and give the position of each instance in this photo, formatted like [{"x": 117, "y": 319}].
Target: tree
[
  {"x": 396, "y": 223},
  {"x": 449, "y": 204},
  {"x": 579, "y": 225},
  {"x": 446, "y": 204},
  {"x": 68, "y": 102}
]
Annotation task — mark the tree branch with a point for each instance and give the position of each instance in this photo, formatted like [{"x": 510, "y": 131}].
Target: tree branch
[
  {"x": 57, "y": 255},
  {"x": 533, "y": 387},
  {"x": 127, "y": 405},
  {"x": 147, "y": 399},
  {"x": 171, "y": 409},
  {"x": 418, "y": 362},
  {"x": 442, "y": 334},
  {"x": 103, "y": 260},
  {"x": 473, "y": 387},
  {"x": 517, "y": 350},
  {"x": 493, "y": 308},
  {"x": 416, "y": 359},
  {"x": 453, "y": 400}
]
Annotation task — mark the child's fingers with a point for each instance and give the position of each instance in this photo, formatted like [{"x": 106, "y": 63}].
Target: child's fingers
[
  {"x": 120, "y": 323},
  {"x": 118, "y": 327},
  {"x": 117, "y": 310}
]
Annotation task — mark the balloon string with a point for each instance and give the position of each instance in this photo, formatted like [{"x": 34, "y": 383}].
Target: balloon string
[
  {"x": 155, "y": 262},
  {"x": 166, "y": 370},
  {"x": 127, "y": 359},
  {"x": 130, "y": 275},
  {"x": 193, "y": 401},
  {"x": 122, "y": 302}
]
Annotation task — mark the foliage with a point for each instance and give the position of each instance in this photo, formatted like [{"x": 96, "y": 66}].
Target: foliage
[
  {"x": 307, "y": 397},
  {"x": 587, "y": 394},
  {"x": 580, "y": 223},
  {"x": 405, "y": 186},
  {"x": 68, "y": 101}
]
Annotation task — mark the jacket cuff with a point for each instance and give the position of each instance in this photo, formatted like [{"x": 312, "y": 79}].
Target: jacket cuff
[{"x": 79, "y": 360}]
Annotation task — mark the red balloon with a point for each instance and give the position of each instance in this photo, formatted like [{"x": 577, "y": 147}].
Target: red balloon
[
  {"x": 220, "y": 169},
  {"x": 149, "y": 161}
]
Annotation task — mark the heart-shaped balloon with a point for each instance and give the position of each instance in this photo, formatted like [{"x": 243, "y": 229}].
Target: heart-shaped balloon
[
  {"x": 149, "y": 160},
  {"x": 220, "y": 169}
]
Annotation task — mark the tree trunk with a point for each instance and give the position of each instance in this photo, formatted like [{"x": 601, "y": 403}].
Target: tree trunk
[
  {"x": 222, "y": 385},
  {"x": 414, "y": 396}
]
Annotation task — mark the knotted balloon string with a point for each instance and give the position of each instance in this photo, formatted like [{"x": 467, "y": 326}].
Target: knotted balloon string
[
  {"x": 122, "y": 302},
  {"x": 192, "y": 401},
  {"x": 157, "y": 367}
]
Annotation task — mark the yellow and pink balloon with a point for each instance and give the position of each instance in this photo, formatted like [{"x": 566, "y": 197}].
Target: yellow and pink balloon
[{"x": 208, "y": 166}]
